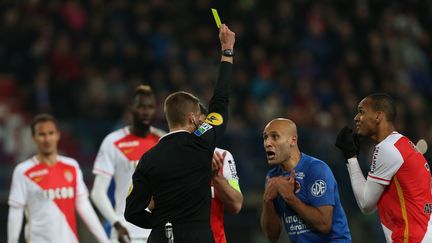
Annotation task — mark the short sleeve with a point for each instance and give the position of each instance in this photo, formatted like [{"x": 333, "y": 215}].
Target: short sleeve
[
  {"x": 81, "y": 187},
  {"x": 230, "y": 171},
  {"x": 18, "y": 190},
  {"x": 104, "y": 162},
  {"x": 385, "y": 163},
  {"x": 321, "y": 185}
]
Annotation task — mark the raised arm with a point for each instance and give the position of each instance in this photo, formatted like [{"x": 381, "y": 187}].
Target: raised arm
[
  {"x": 218, "y": 107},
  {"x": 367, "y": 193},
  {"x": 226, "y": 183}
]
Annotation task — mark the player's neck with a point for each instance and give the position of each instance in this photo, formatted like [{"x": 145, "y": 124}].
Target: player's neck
[
  {"x": 190, "y": 128},
  {"x": 383, "y": 132},
  {"x": 140, "y": 132},
  {"x": 48, "y": 159},
  {"x": 293, "y": 160}
]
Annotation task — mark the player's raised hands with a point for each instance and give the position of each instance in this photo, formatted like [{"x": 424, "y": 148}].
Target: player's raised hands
[
  {"x": 226, "y": 37},
  {"x": 286, "y": 186},
  {"x": 348, "y": 142},
  {"x": 217, "y": 162},
  {"x": 270, "y": 192}
]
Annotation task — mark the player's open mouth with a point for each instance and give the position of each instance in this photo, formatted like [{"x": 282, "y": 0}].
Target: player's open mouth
[{"x": 270, "y": 155}]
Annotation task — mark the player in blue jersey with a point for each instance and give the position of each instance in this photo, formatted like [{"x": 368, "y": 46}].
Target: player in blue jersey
[{"x": 300, "y": 191}]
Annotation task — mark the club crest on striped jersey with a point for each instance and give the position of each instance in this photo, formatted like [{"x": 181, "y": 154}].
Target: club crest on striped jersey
[{"x": 68, "y": 175}]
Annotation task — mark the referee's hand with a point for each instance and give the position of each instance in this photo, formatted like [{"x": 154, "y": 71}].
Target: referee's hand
[{"x": 226, "y": 37}]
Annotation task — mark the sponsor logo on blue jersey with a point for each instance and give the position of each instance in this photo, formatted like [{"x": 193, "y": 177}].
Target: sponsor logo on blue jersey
[{"x": 318, "y": 188}]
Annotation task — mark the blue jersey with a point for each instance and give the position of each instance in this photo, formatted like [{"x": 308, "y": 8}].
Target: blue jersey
[{"x": 316, "y": 186}]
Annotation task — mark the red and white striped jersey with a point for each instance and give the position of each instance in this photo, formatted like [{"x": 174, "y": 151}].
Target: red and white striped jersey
[
  {"x": 229, "y": 172},
  {"x": 48, "y": 194},
  {"x": 117, "y": 157},
  {"x": 406, "y": 204}
]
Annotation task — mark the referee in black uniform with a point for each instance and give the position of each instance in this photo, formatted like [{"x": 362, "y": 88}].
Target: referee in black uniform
[{"x": 178, "y": 170}]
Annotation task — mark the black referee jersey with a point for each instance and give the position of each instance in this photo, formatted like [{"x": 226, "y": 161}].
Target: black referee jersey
[{"x": 177, "y": 173}]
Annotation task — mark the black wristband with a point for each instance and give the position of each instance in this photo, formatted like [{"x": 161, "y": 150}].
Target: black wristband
[{"x": 228, "y": 52}]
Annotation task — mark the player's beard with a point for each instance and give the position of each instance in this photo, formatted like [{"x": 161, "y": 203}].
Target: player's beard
[{"x": 140, "y": 125}]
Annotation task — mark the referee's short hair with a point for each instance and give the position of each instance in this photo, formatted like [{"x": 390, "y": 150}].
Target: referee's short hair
[
  {"x": 178, "y": 105},
  {"x": 44, "y": 117},
  {"x": 203, "y": 109},
  {"x": 385, "y": 103}
]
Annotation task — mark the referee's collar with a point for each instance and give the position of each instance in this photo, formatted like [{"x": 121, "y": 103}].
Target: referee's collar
[{"x": 176, "y": 131}]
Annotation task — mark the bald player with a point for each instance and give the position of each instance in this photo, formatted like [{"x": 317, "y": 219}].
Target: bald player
[
  {"x": 399, "y": 182},
  {"x": 300, "y": 191}
]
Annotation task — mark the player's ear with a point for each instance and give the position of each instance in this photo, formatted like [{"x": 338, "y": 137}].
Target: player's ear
[
  {"x": 191, "y": 117},
  {"x": 379, "y": 116},
  {"x": 294, "y": 140}
]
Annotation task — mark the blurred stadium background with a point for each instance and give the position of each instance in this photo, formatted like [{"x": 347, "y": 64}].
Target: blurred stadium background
[{"x": 310, "y": 61}]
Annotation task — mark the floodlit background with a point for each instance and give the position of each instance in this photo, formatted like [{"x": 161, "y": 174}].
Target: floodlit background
[{"x": 310, "y": 61}]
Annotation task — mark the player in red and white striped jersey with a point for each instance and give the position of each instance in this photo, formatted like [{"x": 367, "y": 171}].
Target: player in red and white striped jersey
[
  {"x": 225, "y": 188},
  {"x": 399, "y": 180},
  {"x": 49, "y": 187},
  {"x": 225, "y": 192},
  {"x": 117, "y": 158}
]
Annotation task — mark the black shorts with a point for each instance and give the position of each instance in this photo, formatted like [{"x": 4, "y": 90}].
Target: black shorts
[{"x": 183, "y": 233}]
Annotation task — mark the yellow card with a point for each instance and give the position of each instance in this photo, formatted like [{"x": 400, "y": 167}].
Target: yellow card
[{"x": 216, "y": 17}]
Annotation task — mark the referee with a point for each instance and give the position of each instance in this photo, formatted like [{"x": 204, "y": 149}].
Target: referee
[{"x": 177, "y": 171}]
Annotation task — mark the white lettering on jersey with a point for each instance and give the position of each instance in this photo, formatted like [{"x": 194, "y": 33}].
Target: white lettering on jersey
[
  {"x": 128, "y": 144},
  {"x": 59, "y": 193},
  {"x": 298, "y": 226},
  {"x": 38, "y": 173}
]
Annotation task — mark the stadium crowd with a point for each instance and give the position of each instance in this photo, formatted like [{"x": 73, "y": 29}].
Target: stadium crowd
[{"x": 311, "y": 61}]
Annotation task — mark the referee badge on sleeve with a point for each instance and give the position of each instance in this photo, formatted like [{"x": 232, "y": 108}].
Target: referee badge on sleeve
[
  {"x": 204, "y": 127},
  {"x": 214, "y": 119}
]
